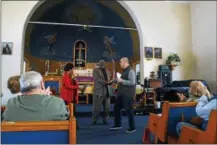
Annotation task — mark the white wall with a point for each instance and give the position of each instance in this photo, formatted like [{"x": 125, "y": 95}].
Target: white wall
[
  {"x": 0, "y": 46},
  {"x": 166, "y": 25},
  {"x": 203, "y": 19},
  {"x": 163, "y": 25},
  {"x": 14, "y": 14}
]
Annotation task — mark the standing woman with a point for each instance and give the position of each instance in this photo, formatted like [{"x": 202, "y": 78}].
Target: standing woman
[{"x": 69, "y": 89}]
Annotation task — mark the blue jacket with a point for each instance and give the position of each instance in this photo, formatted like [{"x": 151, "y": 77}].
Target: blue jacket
[{"x": 205, "y": 106}]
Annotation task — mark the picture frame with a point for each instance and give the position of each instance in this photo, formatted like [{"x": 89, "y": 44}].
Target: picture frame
[
  {"x": 7, "y": 48},
  {"x": 149, "y": 52},
  {"x": 158, "y": 53}
]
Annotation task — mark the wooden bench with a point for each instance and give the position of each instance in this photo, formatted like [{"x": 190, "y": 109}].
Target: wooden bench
[
  {"x": 161, "y": 126},
  {"x": 191, "y": 135},
  {"x": 40, "y": 132}
]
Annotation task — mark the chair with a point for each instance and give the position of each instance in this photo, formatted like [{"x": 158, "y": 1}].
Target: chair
[
  {"x": 196, "y": 136},
  {"x": 164, "y": 124},
  {"x": 41, "y": 132},
  {"x": 55, "y": 83}
]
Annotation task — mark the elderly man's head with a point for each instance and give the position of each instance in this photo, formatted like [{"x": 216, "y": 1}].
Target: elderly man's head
[
  {"x": 31, "y": 82},
  {"x": 124, "y": 62},
  {"x": 101, "y": 64}
]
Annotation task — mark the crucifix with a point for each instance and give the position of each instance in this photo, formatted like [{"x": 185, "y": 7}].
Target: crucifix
[{"x": 79, "y": 51}]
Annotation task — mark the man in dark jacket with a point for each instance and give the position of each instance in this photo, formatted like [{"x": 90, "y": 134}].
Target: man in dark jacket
[{"x": 126, "y": 92}]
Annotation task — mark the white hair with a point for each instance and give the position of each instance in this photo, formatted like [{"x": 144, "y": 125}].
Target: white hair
[
  {"x": 30, "y": 80},
  {"x": 125, "y": 59}
]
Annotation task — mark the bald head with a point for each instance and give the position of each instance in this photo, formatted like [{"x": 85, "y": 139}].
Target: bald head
[{"x": 124, "y": 62}]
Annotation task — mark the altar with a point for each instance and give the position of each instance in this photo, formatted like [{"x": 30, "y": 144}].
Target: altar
[
  {"x": 85, "y": 82},
  {"x": 52, "y": 69}
]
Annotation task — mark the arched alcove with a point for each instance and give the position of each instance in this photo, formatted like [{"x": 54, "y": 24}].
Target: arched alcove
[{"x": 120, "y": 8}]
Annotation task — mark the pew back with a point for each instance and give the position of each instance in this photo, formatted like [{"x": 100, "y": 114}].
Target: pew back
[
  {"x": 177, "y": 113},
  {"x": 191, "y": 135},
  {"x": 173, "y": 113},
  {"x": 43, "y": 132}
]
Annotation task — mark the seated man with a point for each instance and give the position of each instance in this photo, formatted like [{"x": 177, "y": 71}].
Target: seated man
[
  {"x": 206, "y": 103},
  {"x": 33, "y": 105}
]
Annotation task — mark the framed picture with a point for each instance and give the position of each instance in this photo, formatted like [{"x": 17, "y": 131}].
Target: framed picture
[
  {"x": 158, "y": 53},
  {"x": 149, "y": 52},
  {"x": 7, "y": 48}
]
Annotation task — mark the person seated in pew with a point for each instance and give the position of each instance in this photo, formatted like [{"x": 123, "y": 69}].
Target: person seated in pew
[
  {"x": 13, "y": 90},
  {"x": 35, "y": 103},
  {"x": 193, "y": 95},
  {"x": 206, "y": 103},
  {"x": 194, "y": 92}
]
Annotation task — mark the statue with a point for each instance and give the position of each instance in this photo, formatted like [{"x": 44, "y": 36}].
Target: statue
[{"x": 47, "y": 67}]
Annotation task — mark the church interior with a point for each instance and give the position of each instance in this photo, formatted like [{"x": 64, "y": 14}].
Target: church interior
[{"x": 169, "y": 46}]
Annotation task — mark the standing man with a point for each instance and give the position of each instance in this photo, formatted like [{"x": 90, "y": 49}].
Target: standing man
[
  {"x": 126, "y": 92},
  {"x": 101, "y": 94}
]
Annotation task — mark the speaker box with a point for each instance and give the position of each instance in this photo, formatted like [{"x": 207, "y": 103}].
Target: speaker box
[{"x": 166, "y": 77}]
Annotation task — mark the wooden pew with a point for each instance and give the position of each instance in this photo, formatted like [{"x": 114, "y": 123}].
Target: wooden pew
[
  {"x": 40, "y": 132},
  {"x": 191, "y": 135},
  {"x": 164, "y": 125}
]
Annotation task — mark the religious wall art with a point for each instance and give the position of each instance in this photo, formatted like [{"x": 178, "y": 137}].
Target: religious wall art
[
  {"x": 80, "y": 53},
  {"x": 109, "y": 50},
  {"x": 149, "y": 52},
  {"x": 7, "y": 48},
  {"x": 158, "y": 53},
  {"x": 51, "y": 41}
]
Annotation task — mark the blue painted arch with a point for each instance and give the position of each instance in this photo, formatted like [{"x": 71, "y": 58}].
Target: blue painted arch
[{"x": 66, "y": 35}]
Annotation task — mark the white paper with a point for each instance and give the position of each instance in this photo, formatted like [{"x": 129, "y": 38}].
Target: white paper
[{"x": 118, "y": 75}]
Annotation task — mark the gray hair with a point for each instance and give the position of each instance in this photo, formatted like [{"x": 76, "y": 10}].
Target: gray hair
[
  {"x": 125, "y": 59},
  {"x": 30, "y": 80},
  {"x": 101, "y": 64}
]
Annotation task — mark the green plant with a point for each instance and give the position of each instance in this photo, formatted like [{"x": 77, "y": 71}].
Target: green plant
[{"x": 173, "y": 58}]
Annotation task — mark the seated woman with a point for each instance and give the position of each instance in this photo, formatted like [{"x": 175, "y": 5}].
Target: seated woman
[
  {"x": 206, "y": 103},
  {"x": 192, "y": 96},
  {"x": 194, "y": 92},
  {"x": 13, "y": 90},
  {"x": 35, "y": 103}
]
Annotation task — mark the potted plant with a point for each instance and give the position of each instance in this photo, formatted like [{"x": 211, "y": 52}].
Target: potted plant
[{"x": 173, "y": 60}]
